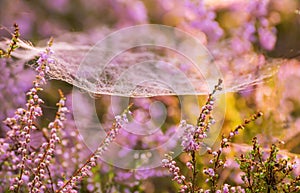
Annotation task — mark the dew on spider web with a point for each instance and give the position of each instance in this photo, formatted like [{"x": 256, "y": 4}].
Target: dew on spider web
[{"x": 146, "y": 71}]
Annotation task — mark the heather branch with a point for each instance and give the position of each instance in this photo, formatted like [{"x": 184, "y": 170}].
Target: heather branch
[
  {"x": 13, "y": 43},
  {"x": 191, "y": 141},
  {"x": 44, "y": 160},
  {"x": 23, "y": 121},
  {"x": 217, "y": 161},
  {"x": 84, "y": 170}
]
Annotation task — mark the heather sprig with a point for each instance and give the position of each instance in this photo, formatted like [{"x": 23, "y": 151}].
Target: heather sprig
[
  {"x": 170, "y": 164},
  {"x": 218, "y": 162},
  {"x": 204, "y": 122},
  {"x": 13, "y": 43},
  {"x": 192, "y": 140},
  {"x": 44, "y": 159},
  {"x": 267, "y": 173},
  {"x": 85, "y": 170},
  {"x": 193, "y": 135},
  {"x": 24, "y": 120}
]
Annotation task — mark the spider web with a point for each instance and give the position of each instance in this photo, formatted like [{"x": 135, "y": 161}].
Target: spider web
[{"x": 162, "y": 66}]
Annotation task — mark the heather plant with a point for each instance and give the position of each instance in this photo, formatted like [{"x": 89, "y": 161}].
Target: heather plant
[
  {"x": 267, "y": 171},
  {"x": 263, "y": 171},
  {"x": 13, "y": 43},
  {"x": 14, "y": 78},
  {"x": 26, "y": 161}
]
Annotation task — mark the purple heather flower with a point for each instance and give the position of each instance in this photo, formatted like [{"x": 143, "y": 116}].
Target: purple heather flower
[
  {"x": 267, "y": 37},
  {"x": 188, "y": 143},
  {"x": 173, "y": 169},
  {"x": 259, "y": 8},
  {"x": 225, "y": 188},
  {"x": 210, "y": 172}
]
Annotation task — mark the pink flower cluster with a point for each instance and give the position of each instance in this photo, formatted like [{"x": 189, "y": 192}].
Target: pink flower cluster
[
  {"x": 169, "y": 163},
  {"x": 189, "y": 143}
]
